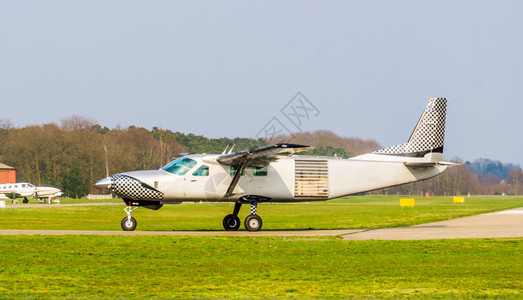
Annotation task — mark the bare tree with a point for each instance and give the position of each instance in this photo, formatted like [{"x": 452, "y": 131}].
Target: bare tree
[{"x": 515, "y": 179}]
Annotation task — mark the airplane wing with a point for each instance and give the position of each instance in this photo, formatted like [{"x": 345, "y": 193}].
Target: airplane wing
[
  {"x": 257, "y": 157},
  {"x": 262, "y": 156}
]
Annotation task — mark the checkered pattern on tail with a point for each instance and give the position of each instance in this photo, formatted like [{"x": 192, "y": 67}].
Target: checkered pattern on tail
[
  {"x": 429, "y": 133},
  {"x": 130, "y": 188}
]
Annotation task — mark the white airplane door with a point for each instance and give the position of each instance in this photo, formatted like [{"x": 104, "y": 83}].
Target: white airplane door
[{"x": 195, "y": 183}]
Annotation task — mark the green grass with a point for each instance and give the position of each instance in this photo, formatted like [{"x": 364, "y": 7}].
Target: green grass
[
  {"x": 345, "y": 213},
  {"x": 257, "y": 267}
]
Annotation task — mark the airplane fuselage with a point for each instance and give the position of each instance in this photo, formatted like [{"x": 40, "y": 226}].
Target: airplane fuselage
[
  {"x": 289, "y": 179},
  {"x": 21, "y": 189},
  {"x": 274, "y": 173}
]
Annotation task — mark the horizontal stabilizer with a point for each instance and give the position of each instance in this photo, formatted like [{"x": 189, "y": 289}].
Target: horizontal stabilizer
[
  {"x": 429, "y": 164},
  {"x": 420, "y": 164},
  {"x": 448, "y": 163}
]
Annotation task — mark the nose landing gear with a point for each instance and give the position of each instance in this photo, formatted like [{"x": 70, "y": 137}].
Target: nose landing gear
[{"x": 129, "y": 223}]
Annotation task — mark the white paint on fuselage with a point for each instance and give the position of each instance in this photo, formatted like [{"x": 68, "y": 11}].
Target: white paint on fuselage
[
  {"x": 352, "y": 176},
  {"x": 48, "y": 192},
  {"x": 346, "y": 177},
  {"x": 21, "y": 189},
  {"x": 25, "y": 189}
]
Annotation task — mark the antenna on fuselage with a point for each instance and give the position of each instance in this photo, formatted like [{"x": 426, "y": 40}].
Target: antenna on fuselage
[
  {"x": 230, "y": 151},
  {"x": 225, "y": 150}
]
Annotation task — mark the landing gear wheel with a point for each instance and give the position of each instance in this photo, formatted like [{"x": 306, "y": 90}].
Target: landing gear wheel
[
  {"x": 231, "y": 222},
  {"x": 128, "y": 224},
  {"x": 253, "y": 223}
]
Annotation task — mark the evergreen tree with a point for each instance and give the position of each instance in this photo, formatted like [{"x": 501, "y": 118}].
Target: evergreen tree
[
  {"x": 49, "y": 179},
  {"x": 72, "y": 183}
]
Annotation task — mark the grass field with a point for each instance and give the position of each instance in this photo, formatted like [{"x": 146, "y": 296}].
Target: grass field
[
  {"x": 257, "y": 267},
  {"x": 345, "y": 213}
]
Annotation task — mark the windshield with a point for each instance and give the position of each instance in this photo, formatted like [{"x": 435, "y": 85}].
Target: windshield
[{"x": 180, "y": 166}]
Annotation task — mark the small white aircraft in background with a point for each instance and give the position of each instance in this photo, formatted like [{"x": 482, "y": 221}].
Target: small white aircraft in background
[
  {"x": 274, "y": 174},
  {"x": 47, "y": 192},
  {"x": 24, "y": 189}
]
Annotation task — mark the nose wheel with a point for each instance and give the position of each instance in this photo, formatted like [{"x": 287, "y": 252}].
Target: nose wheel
[{"x": 129, "y": 223}]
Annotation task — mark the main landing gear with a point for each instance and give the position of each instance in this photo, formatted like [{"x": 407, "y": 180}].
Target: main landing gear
[{"x": 253, "y": 222}]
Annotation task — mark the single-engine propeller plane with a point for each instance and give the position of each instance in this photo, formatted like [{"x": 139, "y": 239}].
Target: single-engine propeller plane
[{"x": 274, "y": 174}]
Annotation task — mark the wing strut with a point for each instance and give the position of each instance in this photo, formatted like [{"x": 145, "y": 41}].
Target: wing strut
[
  {"x": 258, "y": 157},
  {"x": 237, "y": 176}
]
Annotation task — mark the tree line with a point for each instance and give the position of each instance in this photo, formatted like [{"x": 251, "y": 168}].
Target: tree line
[
  {"x": 459, "y": 180},
  {"x": 72, "y": 156}
]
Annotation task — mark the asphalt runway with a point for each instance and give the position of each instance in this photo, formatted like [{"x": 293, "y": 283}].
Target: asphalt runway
[{"x": 502, "y": 224}]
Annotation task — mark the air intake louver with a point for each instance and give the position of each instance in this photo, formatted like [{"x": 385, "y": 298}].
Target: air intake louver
[{"x": 311, "y": 178}]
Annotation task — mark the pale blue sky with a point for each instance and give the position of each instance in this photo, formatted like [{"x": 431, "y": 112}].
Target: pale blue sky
[{"x": 225, "y": 68}]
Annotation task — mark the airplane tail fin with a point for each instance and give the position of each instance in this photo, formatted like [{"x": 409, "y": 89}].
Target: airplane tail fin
[{"x": 426, "y": 141}]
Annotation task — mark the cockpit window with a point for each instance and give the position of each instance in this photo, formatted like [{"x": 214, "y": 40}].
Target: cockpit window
[{"x": 180, "y": 166}]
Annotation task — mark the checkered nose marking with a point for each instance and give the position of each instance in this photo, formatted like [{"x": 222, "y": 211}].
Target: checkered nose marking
[{"x": 130, "y": 188}]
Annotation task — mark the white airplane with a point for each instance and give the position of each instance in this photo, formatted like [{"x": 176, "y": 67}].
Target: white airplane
[
  {"x": 17, "y": 190},
  {"x": 47, "y": 192},
  {"x": 24, "y": 189},
  {"x": 274, "y": 174}
]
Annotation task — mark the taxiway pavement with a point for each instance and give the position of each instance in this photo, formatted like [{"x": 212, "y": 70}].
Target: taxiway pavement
[{"x": 502, "y": 224}]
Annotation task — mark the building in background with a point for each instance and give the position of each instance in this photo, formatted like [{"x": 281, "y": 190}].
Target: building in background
[{"x": 7, "y": 174}]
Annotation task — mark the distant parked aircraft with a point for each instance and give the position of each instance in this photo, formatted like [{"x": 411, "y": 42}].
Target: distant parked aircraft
[
  {"x": 274, "y": 174},
  {"x": 24, "y": 189}
]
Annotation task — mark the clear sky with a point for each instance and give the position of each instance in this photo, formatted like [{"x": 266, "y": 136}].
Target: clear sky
[{"x": 226, "y": 68}]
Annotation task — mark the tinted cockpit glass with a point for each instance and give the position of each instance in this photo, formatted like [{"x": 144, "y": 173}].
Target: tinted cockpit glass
[{"x": 180, "y": 166}]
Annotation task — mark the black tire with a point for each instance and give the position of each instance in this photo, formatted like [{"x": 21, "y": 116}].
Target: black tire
[
  {"x": 231, "y": 222},
  {"x": 253, "y": 223},
  {"x": 128, "y": 225}
]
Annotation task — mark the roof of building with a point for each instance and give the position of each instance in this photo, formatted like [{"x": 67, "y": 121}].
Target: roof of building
[{"x": 5, "y": 167}]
